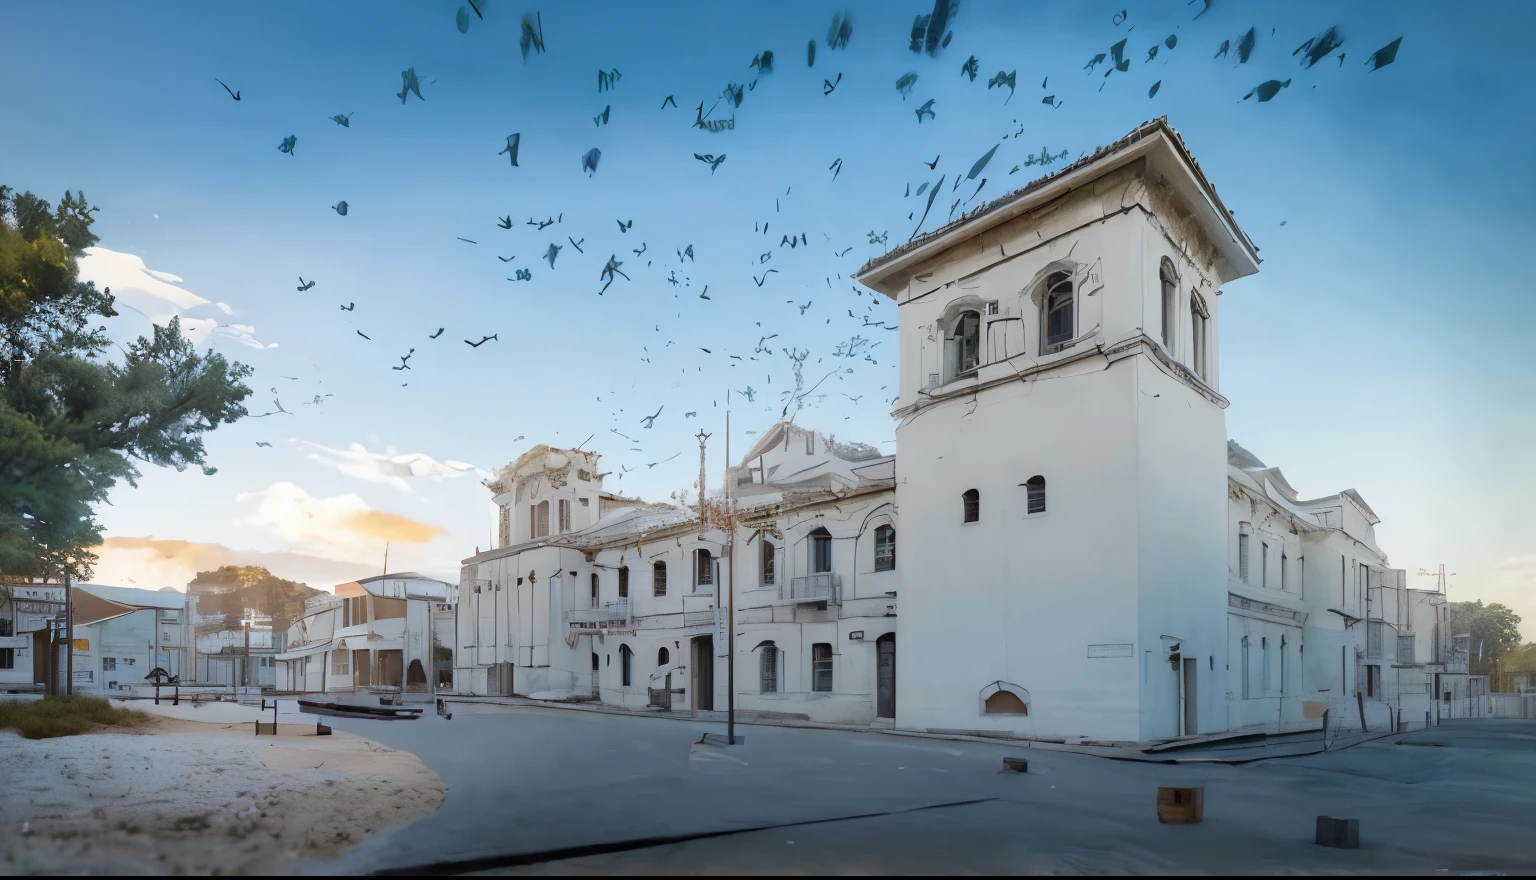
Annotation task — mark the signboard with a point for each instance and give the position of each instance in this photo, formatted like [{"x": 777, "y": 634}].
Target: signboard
[
  {"x": 82, "y": 646},
  {"x": 1095, "y": 651}
]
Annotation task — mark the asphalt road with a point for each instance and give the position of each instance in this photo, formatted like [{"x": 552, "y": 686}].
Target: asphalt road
[{"x": 531, "y": 781}]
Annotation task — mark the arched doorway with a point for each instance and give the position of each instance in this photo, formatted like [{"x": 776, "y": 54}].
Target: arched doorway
[
  {"x": 885, "y": 676},
  {"x": 702, "y": 669},
  {"x": 416, "y": 677}
]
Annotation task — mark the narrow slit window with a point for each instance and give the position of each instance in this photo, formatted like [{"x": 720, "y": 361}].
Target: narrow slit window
[
  {"x": 1035, "y": 494},
  {"x": 659, "y": 579},
  {"x": 1242, "y": 557},
  {"x": 1170, "y": 299},
  {"x": 565, "y": 515},
  {"x": 768, "y": 561},
  {"x": 594, "y": 589},
  {"x": 624, "y": 582},
  {"x": 704, "y": 569},
  {"x": 970, "y": 502}
]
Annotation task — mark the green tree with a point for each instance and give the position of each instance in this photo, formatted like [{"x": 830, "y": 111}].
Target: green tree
[
  {"x": 1495, "y": 632},
  {"x": 74, "y": 420},
  {"x": 231, "y": 589}
]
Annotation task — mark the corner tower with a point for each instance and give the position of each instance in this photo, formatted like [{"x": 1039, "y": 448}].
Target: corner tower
[{"x": 1061, "y": 452}]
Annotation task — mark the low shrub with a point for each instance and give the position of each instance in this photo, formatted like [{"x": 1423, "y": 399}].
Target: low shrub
[{"x": 66, "y": 716}]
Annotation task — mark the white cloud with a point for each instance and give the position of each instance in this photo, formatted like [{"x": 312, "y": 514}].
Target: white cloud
[
  {"x": 154, "y": 295},
  {"x": 341, "y": 527},
  {"x": 388, "y": 467}
]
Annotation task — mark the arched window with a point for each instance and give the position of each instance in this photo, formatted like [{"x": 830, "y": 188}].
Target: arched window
[
  {"x": 659, "y": 579},
  {"x": 703, "y": 569},
  {"x": 821, "y": 551},
  {"x": 594, "y": 589},
  {"x": 768, "y": 668},
  {"x": 971, "y": 502},
  {"x": 963, "y": 342},
  {"x": 885, "y": 548},
  {"x": 626, "y": 665},
  {"x": 1170, "y": 300},
  {"x": 1058, "y": 318},
  {"x": 1199, "y": 319},
  {"x": 663, "y": 657},
  {"x": 1035, "y": 498},
  {"x": 769, "y": 577},
  {"x": 623, "y": 582},
  {"x": 1006, "y": 703}
]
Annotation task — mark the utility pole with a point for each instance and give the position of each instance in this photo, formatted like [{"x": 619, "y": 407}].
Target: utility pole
[
  {"x": 703, "y": 438},
  {"x": 730, "y": 579},
  {"x": 386, "y": 558},
  {"x": 69, "y": 634},
  {"x": 1440, "y": 577},
  {"x": 245, "y": 670}
]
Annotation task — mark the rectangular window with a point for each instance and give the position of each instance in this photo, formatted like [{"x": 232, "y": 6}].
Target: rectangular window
[
  {"x": 7, "y": 658},
  {"x": 1199, "y": 323},
  {"x": 504, "y": 524},
  {"x": 885, "y": 549},
  {"x": 533, "y": 521},
  {"x": 1362, "y": 588},
  {"x": 565, "y": 515},
  {"x": 1263, "y": 564},
  {"x": 1264, "y": 664},
  {"x": 704, "y": 569},
  {"x": 1246, "y": 677},
  {"x": 769, "y": 575},
  {"x": 810, "y": 444},
  {"x": 1170, "y": 297},
  {"x": 624, "y": 582},
  {"x": 769, "y": 670},
  {"x": 821, "y": 668},
  {"x": 1405, "y": 649},
  {"x": 1242, "y": 557},
  {"x": 109, "y": 664},
  {"x": 659, "y": 579},
  {"x": 357, "y": 610},
  {"x": 821, "y": 553},
  {"x": 340, "y": 663},
  {"x": 1284, "y": 562},
  {"x": 1283, "y": 674}
]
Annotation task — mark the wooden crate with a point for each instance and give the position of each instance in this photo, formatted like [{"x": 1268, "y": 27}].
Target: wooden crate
[{"x": 1180, "y": 805}]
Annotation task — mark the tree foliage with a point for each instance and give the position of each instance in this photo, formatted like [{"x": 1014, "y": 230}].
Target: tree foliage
[
  {"x": 231, "y": 589},
  {"x": 1495, "y": 632},
  {"x": 75, "y": 420}
]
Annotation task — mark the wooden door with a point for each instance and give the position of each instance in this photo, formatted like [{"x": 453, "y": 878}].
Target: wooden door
[
  {"x": 885, "y": 676},
  {"x": 703, "y": 673}
]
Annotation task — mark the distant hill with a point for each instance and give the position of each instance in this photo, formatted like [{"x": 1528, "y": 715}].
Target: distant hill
[{"x": 231, "y": 589}]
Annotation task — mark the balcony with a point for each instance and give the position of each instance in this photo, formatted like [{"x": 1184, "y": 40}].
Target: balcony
[
  {"x": 823, "y": 587},
  {"x": 609, "y": 615}
]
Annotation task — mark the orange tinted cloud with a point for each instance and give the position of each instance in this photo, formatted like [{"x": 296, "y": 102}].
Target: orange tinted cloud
[{"x": 392, "y": 527}]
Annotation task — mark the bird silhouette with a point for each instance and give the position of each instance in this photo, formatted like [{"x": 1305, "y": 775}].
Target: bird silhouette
[
  {"x": 506, "y": 259},
  {"x": 934, "y": 164},
  {"x": 650, "y": 420},
  {"x": 365, "y": 335},
  {"x": 349, "y": 307},
  {"x": 263, "y": 443},
  {"x": 304, "y": 285},
  {"x": 235, "y": 95},
  {"x": 437, "y": 334},
  {"x": 505, "y": 222},
  {"x": 482, "y": 341},
  {"x": 343, "y": 121}
]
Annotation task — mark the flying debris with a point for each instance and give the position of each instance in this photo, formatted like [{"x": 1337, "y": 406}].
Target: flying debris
[
  {"x": 668, "y": 100},
  {"x": 905, "y": 84},
  {"x": 288, "y": 144},
  {"x": 1267, "y": 89},
  {"x": 303, "y": 286},
  {"x": 763, "y": 61},
  {"x": 523, "y": 275},
  {"x": 232, "y": 94},
  {"x": 764, "y": 278},
  {"x": 343, "y": 121},
  {"x": 483, "y": 340},
  {"x": 340, "y": 208},
  {"x": 930, "y": 33},
  {"x": 607, "y": 79},
  {"x": 470, "y": 240},
  {"x": 437, "y": 334},
  {"x": 554, "y": 251},
  {"x": 877, "y": 239},
  {"x": 412, "y": 85},
  {"x": 649, "y": 420},
  {"x": 1152, "y": 92},
  {"x": 970, "y": 68},
  {"x": 513, "y": 142},
  {"x": 1385, "y": 55},
  {"x": 589, "y": 161},
  {"x": 1246, "y": 44},
  {"x": 840, "y": 31},
  {"x": 263, "y": 443},
  {"x": 810, "y": 54},
  {"x": 611, "y": 268},
  {"x": 836, "y": 168},
  {"x": 533, "y": 35},
  {"x": 1008, "y": 79},
  {"x": 365, "y": 335},
  {"x": 349, "y": 307},
  {"x": 504, "y": 222},
  {"x": 710, "y": 160},
  {"x": 1203, "y": 9},
  {"x": 1051, "y": 99},
  {"x": 1319, "y": 47},
  {"x": 601, "y": 119},
  {"x": 828, "y": 86},
  {"x": 981, "y": 163},
  {"x": 625, "y": 227},
  {"x": 926, "y": 108}
]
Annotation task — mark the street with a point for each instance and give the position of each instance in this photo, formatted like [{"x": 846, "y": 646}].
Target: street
[{"x": 531, "y": 781}]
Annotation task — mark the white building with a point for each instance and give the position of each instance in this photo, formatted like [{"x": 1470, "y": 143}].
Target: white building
[
  {"x": 1086, "y": 554},
  {"x": 375, "y": 634},
  {"x": 26, "y": 607},
  {"x": 242, "y": 652},
  {"x": 122, "y": 633}
]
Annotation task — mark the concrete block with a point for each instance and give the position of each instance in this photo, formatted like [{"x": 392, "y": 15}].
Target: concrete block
[
  {"x": 1180, "y": 806},
  {"x": 1015, "y": 765},
  {"x": 1339, "y": 833}
]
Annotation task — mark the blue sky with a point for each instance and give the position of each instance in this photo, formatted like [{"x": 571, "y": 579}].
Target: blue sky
[{"x": 1383, "y": 346}]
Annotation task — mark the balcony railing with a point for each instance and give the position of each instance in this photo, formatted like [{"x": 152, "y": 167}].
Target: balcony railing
[
  {"x": 822, "y": 587},
  {"x": 610, "y": 615}
]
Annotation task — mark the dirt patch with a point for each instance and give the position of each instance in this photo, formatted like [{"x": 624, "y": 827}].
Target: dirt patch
[{"x": 197, "y": 798}]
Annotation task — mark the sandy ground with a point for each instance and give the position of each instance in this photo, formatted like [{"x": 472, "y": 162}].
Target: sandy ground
[{"x": 194, "y": 797}]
